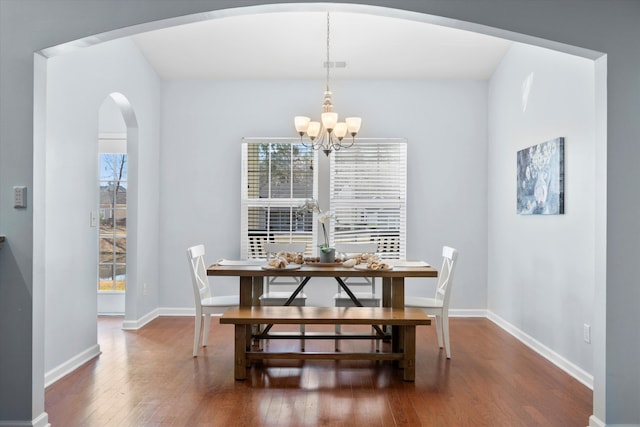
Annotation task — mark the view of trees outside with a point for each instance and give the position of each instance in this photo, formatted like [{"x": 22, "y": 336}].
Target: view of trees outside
[
  {"x": 280, "y": 178},
  {"x": 113, "y": 222}
]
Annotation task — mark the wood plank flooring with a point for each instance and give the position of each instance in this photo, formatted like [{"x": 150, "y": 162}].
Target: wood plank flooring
[{"x": 149, "y": 378}]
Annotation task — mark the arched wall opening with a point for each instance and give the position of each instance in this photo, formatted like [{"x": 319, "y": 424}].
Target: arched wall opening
[
  {"x": 138, "y": 312},
  {"x": 116, "y": 229}
]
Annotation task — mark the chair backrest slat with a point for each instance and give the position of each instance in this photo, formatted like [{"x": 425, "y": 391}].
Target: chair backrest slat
[
  {"x": 199, "y": 280},
  {"x": 445, "y": 278}
]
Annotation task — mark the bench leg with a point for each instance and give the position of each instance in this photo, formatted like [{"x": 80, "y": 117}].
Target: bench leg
[
  {"x": 397, "y": 342},
  {"x": 409, "y": 352},
  {"x": 240, "y": 353}
]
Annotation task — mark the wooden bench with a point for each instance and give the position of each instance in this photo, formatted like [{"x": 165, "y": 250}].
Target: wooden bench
[{"x": 405, "y": 319}]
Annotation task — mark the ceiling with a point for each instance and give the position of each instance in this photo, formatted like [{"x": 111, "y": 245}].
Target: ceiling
[{"x": 292, "y": 45}]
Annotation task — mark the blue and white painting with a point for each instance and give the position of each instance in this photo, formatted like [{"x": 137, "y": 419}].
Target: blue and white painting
[{"x": 541, "y": 179}]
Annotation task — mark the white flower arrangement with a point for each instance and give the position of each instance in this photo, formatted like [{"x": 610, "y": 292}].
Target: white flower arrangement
[{"x": 324, "y": 217}]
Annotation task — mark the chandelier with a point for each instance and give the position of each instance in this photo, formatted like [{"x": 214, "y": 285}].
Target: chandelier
[{"x": 327, "y": 134}]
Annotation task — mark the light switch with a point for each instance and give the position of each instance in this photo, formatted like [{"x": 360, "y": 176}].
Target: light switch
[
  {"x": 93, "y": 219},
  {"x": 20, "y": 196}
]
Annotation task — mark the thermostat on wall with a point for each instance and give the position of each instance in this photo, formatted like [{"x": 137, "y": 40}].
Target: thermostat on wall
[{"x": 20, "y": 196}]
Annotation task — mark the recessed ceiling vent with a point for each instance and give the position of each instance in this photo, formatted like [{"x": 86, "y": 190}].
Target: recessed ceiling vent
[{"x": 335, "y": 64}]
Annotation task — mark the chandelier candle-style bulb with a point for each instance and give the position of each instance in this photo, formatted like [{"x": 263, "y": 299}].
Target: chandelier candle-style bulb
[
  {"x": 340, "y": 130},
  {"x": 329, "y": 120},
  {"x": 353, "y": 125},
  {"x": 313, "y": 130},
  {"x": 302, "y": 124}
]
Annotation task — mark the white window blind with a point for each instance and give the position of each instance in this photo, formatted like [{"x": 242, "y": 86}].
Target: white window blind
[
  {"x": 368, "y": 194},
  {"x": 278, "y": 176}
]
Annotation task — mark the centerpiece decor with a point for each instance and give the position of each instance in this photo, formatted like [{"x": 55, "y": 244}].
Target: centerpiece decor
[{"x": 327, "y": 253}]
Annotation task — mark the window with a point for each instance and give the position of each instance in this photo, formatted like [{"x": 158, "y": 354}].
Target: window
[
  {"x": 278, "y": 177},
  {"x": 113, "y": 222},
  {"x": 368, "y": 194}
]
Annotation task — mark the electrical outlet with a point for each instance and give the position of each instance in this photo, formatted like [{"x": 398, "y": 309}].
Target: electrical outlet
[
  {"x": 19, "y": 196},
  {"x": 587, "y": 333}
]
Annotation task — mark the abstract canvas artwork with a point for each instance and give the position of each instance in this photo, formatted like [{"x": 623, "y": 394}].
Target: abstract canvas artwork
[{"x": 541, "y": 179}]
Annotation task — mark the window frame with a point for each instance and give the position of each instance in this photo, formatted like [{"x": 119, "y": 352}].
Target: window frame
[
  {"x": 382, "y": 192},
  {"x": 251, "y": 248}
]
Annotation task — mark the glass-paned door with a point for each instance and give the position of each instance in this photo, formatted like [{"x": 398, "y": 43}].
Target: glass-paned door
[{"x": 113, "y": 222}]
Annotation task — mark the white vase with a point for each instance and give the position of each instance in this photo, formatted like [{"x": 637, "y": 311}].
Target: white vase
[{"x": 328, "y": 255}]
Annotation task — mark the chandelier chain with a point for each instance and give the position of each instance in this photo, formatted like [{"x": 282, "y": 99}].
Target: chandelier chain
[{"x": 328, "y": 47}]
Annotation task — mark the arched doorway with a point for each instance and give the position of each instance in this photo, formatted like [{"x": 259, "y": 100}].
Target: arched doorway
[{"x": 116, "y": 119}]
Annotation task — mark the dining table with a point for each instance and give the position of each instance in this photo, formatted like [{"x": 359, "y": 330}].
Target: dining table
[{"x": 251, "y": 274}]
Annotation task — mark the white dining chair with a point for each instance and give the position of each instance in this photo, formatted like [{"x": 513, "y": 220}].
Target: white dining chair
[
  {"x": 439, "y": 305},
  {"x": 367, "y": 295},
  {"x": 287, "y": 284},
  {"x": 206, "y": 303}
]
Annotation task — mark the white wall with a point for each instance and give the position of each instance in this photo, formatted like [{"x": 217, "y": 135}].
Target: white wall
[
  {"x": 77, "y": 86},
  {"x": 110, "y": 118},
  {"x": 444, "y": 122},
  {"x": 541, "y": 268}
]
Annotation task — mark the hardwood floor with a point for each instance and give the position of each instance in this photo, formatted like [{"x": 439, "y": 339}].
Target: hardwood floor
[{"x": 149, "y": 378}]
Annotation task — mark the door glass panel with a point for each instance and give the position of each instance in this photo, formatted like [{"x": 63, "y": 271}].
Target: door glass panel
[
  {"x": 106, "y": 279},
  {"x": 113, "y": 221},
  {"x": 106, "y": 250}
]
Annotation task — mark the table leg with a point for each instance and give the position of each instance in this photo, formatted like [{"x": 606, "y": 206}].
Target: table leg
[
  {"x": 409, "y": 357},
  {"x": 397, "y": 301},
  {"x": 386, "y": 302},
  {"x": 240, "y": 357},
  {"x": 386, "y": 291},
  {"x": 257, "y": 290},
  {"x": 246, "y": 291},
  {"x": 246, "y": 300}
]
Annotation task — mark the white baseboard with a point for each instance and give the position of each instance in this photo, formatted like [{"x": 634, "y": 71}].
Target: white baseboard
[
  {"x": 177, "y": 311},
  {"x": 468, "y": 312},
  {"x": 41, "y": 420},
  {"x": 595, "y": 422},
  {"x": 570, "y": 368},
  {"x": 70, "y": 365},
  {"x": 133, "y": 325}
]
